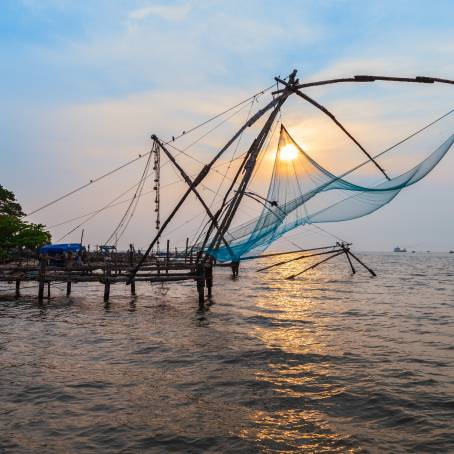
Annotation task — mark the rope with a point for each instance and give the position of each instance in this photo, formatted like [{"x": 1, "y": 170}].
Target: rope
[
  {"x": 386, "y": 151},
  {"x": 224, "y": 176},
  {"x": 135, "y": 200},
  {"x": 95, "y": 180}
]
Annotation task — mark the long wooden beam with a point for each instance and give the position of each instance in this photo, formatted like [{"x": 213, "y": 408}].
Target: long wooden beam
[
  {"x": 364, "y": 78},
  {"x": 191, "y": 185},
  {"x": 301, "y": 257},
  {"x": 275, "y": 254},
  {"x": 314, "y": 266},
  {"x": 335, "y": 120},
  {"x": 199, "y": 178},
  {"x": 249, "y": 165}
]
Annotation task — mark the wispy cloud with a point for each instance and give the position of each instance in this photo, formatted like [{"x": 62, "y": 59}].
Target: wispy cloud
[
  {"x": 85, "y": 83},
  {"x": 168, "y": 12}
]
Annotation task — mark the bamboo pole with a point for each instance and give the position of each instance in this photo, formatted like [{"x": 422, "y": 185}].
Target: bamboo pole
[
  {"x": 314, "y": 266},
  {"x": 200, "y": 177},
  {"x": 301, "y": 257}
]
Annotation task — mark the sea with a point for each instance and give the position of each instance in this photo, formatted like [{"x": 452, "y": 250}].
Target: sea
[{"x": 328, "y": 362}]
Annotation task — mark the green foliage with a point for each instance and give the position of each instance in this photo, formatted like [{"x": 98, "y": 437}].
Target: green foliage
[
  {"x": 15, "y": 233},
  {"x": 8, "y": 204}
]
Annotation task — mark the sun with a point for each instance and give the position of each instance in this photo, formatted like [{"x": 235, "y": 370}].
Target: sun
[{"x": 288, "y": 152}]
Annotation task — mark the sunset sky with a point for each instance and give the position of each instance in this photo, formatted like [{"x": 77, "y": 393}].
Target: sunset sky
[{"x": 85, "y": 84}]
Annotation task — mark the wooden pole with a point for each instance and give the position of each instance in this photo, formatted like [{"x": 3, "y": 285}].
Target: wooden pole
[
  {"x": 108, "y": 272},
  {"x": 201, "y": 286},
  {"x": 334, "y": 119},
  {"x": 17, "y": 289},
  {"x": 192, "y": 186},
  {"x": 314, "y": 266},
  {"x": 298, "y": 258},
  {"x": 371, "y": 271},
  {"x": 167, "y": 256},
  {"x": 235, "y": 268},
  {"x": 249, "y": 165},
  {"x": 199, "y": 178},
  {"x": 209, "y": 278},
  {"x": 186, "y": 251},
  {"x": 345, "y": 248},
  {"x": 275, "y": 254},
  {"x": 133, "y": 287},
  {"x": 350, "y": 262},
  {"x": 68, "y": 288},
  {"x": 42, "y": 274}
]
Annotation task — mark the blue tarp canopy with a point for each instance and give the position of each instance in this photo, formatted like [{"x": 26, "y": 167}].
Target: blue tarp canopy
[{"x": 52, "y": 249}]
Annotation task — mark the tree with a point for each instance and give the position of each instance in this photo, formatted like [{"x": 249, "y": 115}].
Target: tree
[
  {"x": 8, "y": 204},
  {"x": 15, "y": 233}
]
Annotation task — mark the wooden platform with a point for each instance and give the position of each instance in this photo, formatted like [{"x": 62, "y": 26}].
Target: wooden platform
[{"x": 108, "y": 270}]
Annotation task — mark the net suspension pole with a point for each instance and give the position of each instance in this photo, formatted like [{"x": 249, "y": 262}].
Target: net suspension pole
[
  {"x": 191, "y": 185},
  {"x": 199, "y": 178},
  {"x": 157, "y": 185},
  {"x": 250, "y": 161},
  {"x": 335, "y": 120}
]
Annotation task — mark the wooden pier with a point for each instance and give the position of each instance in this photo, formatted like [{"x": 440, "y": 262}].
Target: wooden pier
[{"x": 108, "y": 270}]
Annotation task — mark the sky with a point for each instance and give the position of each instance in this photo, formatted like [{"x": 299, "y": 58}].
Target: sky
[{"x": 85, "y": 83}]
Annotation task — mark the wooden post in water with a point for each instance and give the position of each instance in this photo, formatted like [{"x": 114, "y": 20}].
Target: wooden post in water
[
  {"x": 68, "y": 288},
  {"x": 167, "y": 256},
  {"x": 201, "y": 285},
  {"x": 346, "y": 249},
  {"x": 371, "y": 271},
  {"x": 42, "y": 274},
  {"x": 48, "y": 289},
  {"x": 209, "y": 278},
  {"x": 108, "y": 272},
  {"x": 186, "y": 251},
  {"x": 131, "y": 263},
  {"x": 133, "y": 287},
  {"x": 235, "y": 268},
  {"x": 17, "y": 289}
]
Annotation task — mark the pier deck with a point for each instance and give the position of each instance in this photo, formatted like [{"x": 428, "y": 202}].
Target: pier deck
[{"x": 107, "y": 271}]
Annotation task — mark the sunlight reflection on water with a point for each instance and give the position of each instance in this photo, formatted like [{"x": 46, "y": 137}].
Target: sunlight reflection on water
[{"x": 328, "y": 363}]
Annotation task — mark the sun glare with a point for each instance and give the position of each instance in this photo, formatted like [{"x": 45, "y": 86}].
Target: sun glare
[{"x": 288, "y": 152}]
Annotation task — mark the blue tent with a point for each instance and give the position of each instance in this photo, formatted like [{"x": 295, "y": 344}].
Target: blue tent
[{"x": 53, "y": 249}]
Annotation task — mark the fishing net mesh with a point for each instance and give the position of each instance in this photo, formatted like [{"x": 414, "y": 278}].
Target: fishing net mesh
[{"x": 297, "y": 182}]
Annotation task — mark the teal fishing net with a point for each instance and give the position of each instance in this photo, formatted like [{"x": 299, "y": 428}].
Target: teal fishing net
[{"x": 297, "y": 182}]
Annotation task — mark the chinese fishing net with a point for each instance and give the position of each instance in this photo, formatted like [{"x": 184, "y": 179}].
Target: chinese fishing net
[{"x": 297, "y": 180}]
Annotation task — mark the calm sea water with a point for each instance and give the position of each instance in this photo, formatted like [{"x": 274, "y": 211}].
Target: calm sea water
[{"x": 328, "y": 363}]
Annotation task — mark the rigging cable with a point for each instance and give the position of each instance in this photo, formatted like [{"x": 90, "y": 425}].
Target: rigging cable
[
  {"x": 134, "y": 201},
  {"x": 95, "y": 180},
  {"x": 224, "y": 176}
]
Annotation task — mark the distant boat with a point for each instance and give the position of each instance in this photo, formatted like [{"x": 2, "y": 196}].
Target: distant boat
[
  {"x": 451, "y": 252},
  {"x": 398, "y": 249}
]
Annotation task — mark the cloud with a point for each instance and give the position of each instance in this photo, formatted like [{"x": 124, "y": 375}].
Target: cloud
[
  {"x": 167, "y": 12},
  {"x": 104, "y": 80}
]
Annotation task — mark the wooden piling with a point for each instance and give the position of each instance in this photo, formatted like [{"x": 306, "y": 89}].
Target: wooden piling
[
  {"x": 201, "y": 285},
  {"x": 235, "y": 268},
  {"x": 346, "y": 249},
  {"x": 167, "y": 257},
  {"x": 68, "y": 288},
  {"x": 106, "y": 291},
  {"x": 133, "y": 287},
  {"x": 186, "y": 251},
  {"x": 17, "y": 289},
  {"x": 41, "y": 275},
  {"x": 48, "y": 289},
  {"x": 209, "y": 278},
  {"x": 108, "y": 272}
]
